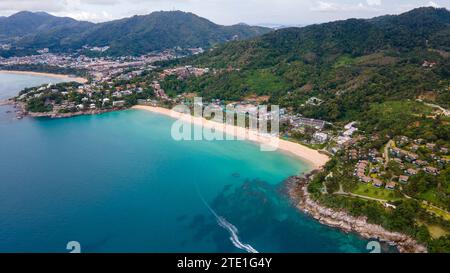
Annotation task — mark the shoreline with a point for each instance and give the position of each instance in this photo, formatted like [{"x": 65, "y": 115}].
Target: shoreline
[
  {"x": 296, "y": 185},
  {"x": 23, "y": 112},
  {"x": 50, "y": 75},
  {"x": 312, "y": 157},
  {"x": 297, "y": 188}
]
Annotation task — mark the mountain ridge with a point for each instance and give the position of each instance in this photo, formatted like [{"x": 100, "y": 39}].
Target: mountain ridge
[
  {"x": 349, "y": 64},
  {"x": 135, "y": 35}
]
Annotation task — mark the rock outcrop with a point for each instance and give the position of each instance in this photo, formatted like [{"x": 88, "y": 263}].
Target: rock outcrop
[{"x": 297, "y": 187}]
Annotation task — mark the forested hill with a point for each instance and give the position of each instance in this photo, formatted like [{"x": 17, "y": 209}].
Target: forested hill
[
  {"x": 130, "y": 36},
  {"x": 30, "y": 23},
  {"x": 324, "y": 43},
  {"x": 349, "y": 64}
]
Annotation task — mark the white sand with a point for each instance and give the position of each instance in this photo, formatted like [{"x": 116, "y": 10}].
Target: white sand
[
  {"x": 313, "y": 157},
  {"x": 59, "y": 76}
]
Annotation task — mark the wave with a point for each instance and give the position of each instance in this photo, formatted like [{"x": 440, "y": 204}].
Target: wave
[{"x": 234, "y": 237}]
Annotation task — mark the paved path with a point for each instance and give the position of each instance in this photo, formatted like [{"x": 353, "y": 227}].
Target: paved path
[
  {"x": 445, "y": 111},
  {"x": 386, "y": 151},
  {"x": 362, "y": 196}
]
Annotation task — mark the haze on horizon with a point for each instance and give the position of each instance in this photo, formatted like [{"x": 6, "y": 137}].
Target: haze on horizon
[{"x": 226, "y": 12}]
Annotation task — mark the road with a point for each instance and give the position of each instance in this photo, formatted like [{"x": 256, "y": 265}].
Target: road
[
  {"x": 361, "y": 196},
  {"x": 445, "y": 111},
  {"x": 386, "y": 151}
]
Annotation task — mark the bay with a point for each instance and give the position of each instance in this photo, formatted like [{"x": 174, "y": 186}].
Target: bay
[{"x": 118, "y": 182}]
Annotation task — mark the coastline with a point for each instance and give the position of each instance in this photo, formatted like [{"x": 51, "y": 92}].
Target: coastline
[
  {"x": 296, "y": 185},
  {"x": 51, "y": 75},
  {"x": 297, "y": 188},
  {"x": 315, "y": 159},
  {"x": 22, "y": 112}
]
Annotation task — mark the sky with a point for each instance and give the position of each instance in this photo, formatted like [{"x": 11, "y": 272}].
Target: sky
[{"x": 226, "y": 12}]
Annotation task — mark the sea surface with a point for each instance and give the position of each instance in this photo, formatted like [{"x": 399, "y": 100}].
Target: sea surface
[
  {"x": 10, "y": 83},
  {"x": 118, "y": 182}
]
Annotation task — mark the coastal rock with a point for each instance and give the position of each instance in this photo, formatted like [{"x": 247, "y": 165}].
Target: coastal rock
[{"x": 297, "y": 188}]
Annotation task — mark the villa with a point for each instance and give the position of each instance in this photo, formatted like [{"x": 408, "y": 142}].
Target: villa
[
  {"x": 403, "y": 178},
  {"x": 412, "y": 171},
  {"x": 377, "y": 182},
  {"x": 391, "y": 185}
]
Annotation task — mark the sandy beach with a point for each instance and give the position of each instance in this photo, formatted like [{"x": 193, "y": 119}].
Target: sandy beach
[
  {"x": 312, "y": 157},
  {"x": 59, "y": 76}
]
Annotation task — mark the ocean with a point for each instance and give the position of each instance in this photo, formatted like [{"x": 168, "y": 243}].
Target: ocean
[{"x": 118, "y": 182}]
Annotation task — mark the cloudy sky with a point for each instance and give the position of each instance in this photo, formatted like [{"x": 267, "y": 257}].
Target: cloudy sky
[{"x": 223, "y": 11}]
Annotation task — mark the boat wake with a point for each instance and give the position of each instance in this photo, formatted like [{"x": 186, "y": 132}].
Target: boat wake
[{"x": 232, "y": 230}]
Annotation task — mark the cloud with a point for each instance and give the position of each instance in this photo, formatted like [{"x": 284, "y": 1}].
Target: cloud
[
  {"x": 223, "y": 11},
  {"x": 433, "y": 4},
  {"x": 374, "y": 2},
  {"x": 100, "y": 16},
  {"x": 323, "y": 6},
  {"x": 10, "y": 6}
]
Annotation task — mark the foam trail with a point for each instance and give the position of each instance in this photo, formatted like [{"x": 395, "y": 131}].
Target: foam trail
[{"x": 230, "y": 228}]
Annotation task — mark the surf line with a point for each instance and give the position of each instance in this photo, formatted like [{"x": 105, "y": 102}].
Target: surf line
[{"x": 232, "y": 230}]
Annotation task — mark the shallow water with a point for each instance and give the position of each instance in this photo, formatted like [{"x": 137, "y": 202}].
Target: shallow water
[{"x": 117, "y": 182}]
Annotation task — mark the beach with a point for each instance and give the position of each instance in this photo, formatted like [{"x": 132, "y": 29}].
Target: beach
[
  {"x": 60, "y": 76},
  {"x": 315, "y": 159}
]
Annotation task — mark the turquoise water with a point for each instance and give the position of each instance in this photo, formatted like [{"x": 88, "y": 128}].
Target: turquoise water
[{"x": 117, "y": 182}]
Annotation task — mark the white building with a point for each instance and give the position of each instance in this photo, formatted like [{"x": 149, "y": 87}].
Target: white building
[
  {"x": 119, "y": 103},
  {"x": 320, "y": 137}
]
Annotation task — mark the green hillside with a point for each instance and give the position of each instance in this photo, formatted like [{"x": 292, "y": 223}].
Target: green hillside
[{"x": 349, "y": 64}]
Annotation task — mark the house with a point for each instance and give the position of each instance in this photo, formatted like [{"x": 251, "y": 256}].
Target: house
[
  {"x": 343, "y": 140},
  {"x": 431, "y": 146},
  {"x": 350, "y": 125},
  {"x": 431, "y": 170},
  {"x": 404, "y": 139},
  {"x": 391, "y": 185},
  {"x": 403, "y": 178},
  {"x": 80, "y": 107},
  {"x": 429, "y": 64},
  {"x": 377, "y": 182},
  {"x": 314, "y": 101},
  {"x": 420, "y": 163},
  {"x": 366, "y": 179},
  {"x": 119, "y": 103},
  {"x": 353, "y": 154},
  {"x": 411, "y": 157},
  {"x": 411, "y": 171},
  {"x": 92, "y": 106},
  {"x": 395, "y": 152}
]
